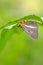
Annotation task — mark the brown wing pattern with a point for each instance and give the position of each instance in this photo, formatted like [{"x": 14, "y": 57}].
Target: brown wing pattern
[{"x": 31, "y": 28}]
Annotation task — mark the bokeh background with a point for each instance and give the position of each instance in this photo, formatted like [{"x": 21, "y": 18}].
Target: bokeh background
[
  {"x": 16, "y": 47},
  {"x": 14, "y": 9}
]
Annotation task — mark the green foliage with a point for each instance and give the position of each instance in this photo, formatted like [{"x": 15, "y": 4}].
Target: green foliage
[{"x": 30, "y": 17}]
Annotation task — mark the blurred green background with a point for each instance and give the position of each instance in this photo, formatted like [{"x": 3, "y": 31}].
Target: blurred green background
[
  {"x": 14, "y": 9},
  {"x": 16, "y": 47}
]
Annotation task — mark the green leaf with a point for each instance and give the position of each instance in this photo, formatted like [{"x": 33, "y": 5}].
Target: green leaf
[{"x": 30, "y": 17}]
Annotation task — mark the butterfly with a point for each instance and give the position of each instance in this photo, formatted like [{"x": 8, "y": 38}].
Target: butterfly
[{"x": 30, "y": 27}]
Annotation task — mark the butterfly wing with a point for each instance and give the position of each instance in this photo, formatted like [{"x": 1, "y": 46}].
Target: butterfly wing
[{"x": 31, "y": 28}]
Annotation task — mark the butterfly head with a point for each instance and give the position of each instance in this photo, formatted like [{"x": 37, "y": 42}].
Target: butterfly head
[{"x": 22, "y": 24}]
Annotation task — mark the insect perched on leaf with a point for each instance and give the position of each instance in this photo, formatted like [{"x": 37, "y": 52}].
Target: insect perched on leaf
[
  {"x": 28, "y": 23},
  {"x": 31, "y": 27}
]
